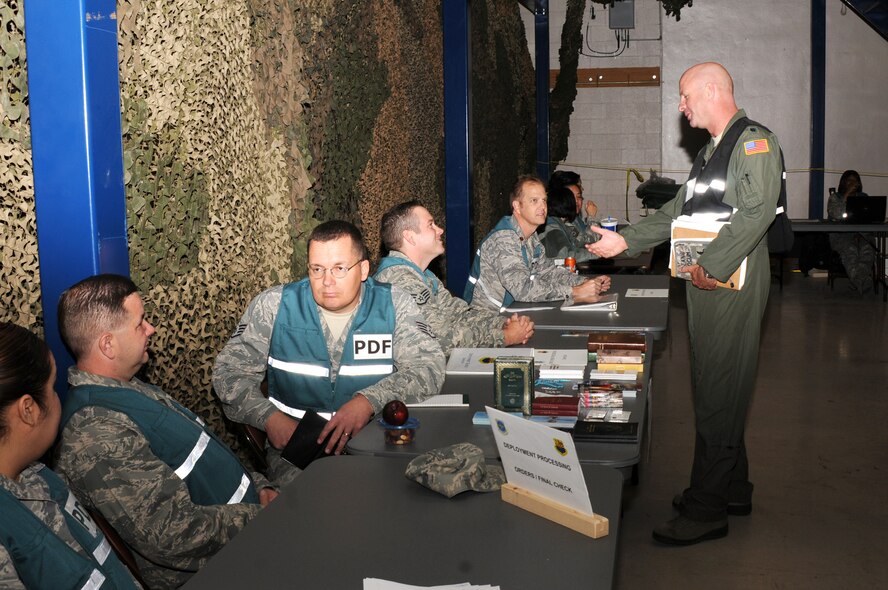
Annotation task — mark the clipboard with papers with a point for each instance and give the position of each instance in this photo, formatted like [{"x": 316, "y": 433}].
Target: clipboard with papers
[{"x": 690, "y": 237}]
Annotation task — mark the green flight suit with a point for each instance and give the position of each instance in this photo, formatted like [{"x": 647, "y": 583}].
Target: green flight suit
[{"x": 725, "y": 325}]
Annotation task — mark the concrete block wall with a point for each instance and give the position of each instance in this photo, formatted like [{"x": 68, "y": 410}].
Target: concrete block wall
[
  {"x": 612, "y": 129},
  {"x": 856, "y": 95},
  {"x": 766, "y": 46}
]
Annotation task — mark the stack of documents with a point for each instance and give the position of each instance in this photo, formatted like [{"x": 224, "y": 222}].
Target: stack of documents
[
  {"x": 561, "y": 364},
  {"x": 690, "y": 237}
]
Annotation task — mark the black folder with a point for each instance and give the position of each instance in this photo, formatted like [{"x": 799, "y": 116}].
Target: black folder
[{"x": 303, "y": 448}]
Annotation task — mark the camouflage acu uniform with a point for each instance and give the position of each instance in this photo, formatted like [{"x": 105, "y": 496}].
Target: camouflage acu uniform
[
  {"x": 855, "y": 249},
  {"x": 240, "y": 367},
  {"x": 455, "y": 469},
  {"x": 33, "y": 491},
  {"x": 108, "y": 462},
  {"x": 562, "y": 239},
  {"x": 584, "y": 229},
  {"x": 503, "y": 269},
  {"x": 454, "y": 322}
]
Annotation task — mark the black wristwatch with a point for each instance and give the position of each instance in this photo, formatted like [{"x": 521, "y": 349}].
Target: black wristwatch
[{"x": 706, "y": 274}]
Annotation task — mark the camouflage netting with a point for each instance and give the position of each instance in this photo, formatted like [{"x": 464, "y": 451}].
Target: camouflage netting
[
  {"x": 504, "y": 118},
  {"x": 208, "y": 181},
  {"x": 563, "y": 94},
  {"x": 347, "y": 84},
  {"x": 407, "y": 152},
  {"x": 19, "y": 269},
  {"x": 248, "y": 122}
]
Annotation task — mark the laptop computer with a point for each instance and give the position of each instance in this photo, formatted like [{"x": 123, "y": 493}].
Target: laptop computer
[{"x": 861, "y": 209}]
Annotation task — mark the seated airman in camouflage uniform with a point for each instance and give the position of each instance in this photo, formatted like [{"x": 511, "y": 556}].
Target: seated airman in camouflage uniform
[
  {"x": 414, "y": 240},
  {"x": 511, "y": 265},
  {"x": 173, "y": 491},
  {"x": 856, "y": 250},
  {"x": 336, "y": 341}
]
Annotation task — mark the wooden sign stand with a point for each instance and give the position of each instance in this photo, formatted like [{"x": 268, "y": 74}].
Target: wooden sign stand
[{"x": 591, "y": 525}]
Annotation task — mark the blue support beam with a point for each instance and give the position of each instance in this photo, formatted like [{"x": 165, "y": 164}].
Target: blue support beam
[
  {"x": 457, "y": 141},
  {"x": 541, "y": 45},
  {"x": 77, "y": 153},
  {"x": 818, "y": 109}
]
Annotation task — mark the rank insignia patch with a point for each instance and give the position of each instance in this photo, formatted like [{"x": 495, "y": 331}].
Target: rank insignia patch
[
  {"x": 422, "y": 297},
  {"x": 425, "y": 329},
  {"x": 758, "y": 146}
]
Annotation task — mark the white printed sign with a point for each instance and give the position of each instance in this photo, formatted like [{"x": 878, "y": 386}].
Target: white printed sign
[
  {"x": 369, "y": 347},
  {"x": 540, "y": 459}
]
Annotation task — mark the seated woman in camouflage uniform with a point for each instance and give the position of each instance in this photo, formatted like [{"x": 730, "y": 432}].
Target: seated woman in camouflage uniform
[
  {"x": 561, "y": 237},
  {"x": 855, "y": 249},
  {"x": 47, "y": 540}
]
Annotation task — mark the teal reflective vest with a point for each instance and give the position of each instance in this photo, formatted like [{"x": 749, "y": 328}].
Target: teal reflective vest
[
  {"x": 212, "y": 473},
  {"x": 504, "y": 224},
  {"x": 299, "y": 376},
  {"x": 428, "y": 277},
  {"x": 44, "y": 560}
]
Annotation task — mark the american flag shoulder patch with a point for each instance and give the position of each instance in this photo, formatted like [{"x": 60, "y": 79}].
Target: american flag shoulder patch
[{"x": 756, "y": 146}]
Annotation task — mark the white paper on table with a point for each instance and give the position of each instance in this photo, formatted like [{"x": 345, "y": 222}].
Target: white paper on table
[
  {"x": 647, "y": 292},
  {"x": 379, "y": 584}
]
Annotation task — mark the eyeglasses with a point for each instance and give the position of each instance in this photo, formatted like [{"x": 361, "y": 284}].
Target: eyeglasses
[{"x": 339, "y": 271}]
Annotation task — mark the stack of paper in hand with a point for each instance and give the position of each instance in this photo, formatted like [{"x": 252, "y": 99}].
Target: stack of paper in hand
[{"x": 690, "y": 237}]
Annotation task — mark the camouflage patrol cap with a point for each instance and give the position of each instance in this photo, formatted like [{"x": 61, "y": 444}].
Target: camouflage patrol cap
[{"x": 455, "y": 469}]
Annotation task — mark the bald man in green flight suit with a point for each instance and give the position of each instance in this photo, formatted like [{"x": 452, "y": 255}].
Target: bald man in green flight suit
[{"x": 737, "y": 177}]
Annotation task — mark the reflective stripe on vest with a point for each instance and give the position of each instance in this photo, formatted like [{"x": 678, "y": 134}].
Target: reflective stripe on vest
[
  {"x": 96, "y": 579},
  {"x": 366, "y": 369},
  {"x": 299, "y": 368},
  {"x": 102, "y": 551},
  {"x": 296, "y": 412},
  {"x": 185, "y": 469},
  {"x": 241, "y": 490},
  {"x": 699, "y": 188}
]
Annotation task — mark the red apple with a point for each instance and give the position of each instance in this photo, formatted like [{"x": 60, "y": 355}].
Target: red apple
[{"x": 395, "y": 412}]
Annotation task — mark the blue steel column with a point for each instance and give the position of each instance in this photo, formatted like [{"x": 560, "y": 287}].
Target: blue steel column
[
  {"x": 457, "y": 141},
  {"x": 818, "y": 108},
  {"x": 76, "y": 146},
  {"x": 541, "y": 43}
]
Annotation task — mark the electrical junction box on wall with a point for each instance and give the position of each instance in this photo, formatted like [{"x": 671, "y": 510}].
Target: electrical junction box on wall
[{"x": 621, "y": 15}]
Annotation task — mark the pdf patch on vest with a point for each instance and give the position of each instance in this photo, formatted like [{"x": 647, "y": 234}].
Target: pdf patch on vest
[{"x": 372, "y": 346}]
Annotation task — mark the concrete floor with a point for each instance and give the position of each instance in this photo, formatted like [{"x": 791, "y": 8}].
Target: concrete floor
[{"x": 818, "y": 453}]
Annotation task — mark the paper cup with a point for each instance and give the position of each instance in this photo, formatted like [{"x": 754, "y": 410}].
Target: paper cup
[{"x": 609, "y": 223}]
